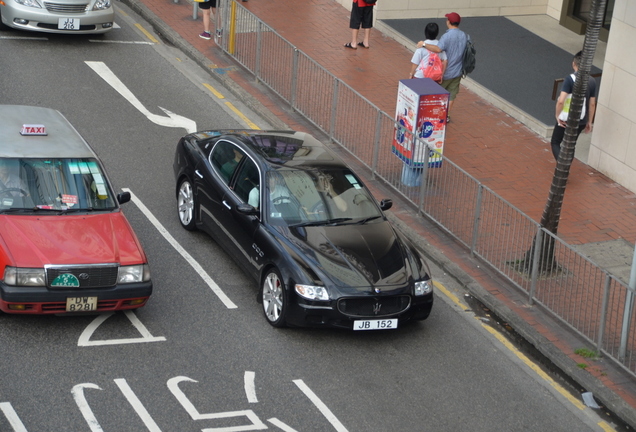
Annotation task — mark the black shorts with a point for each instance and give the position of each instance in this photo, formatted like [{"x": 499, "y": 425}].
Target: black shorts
[
  {"x": 361, "y": 16},
  {"x": 207, "y": 4}
]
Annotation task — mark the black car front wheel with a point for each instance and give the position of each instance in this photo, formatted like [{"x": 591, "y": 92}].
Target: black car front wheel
[
  {"x": 185, "y": 205},
  {"x": 274, "y": 298}
]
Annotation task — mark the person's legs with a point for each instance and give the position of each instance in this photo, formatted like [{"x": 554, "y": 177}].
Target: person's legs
[
  {"x": 206, "y": 10},
  {"x": 354, "y": 24},
  {"x": 354, "y": 37},
  {"x": 452, "y": 85},
  {"x": 558, "y": 133},
  {"x": 555, "y": 142},
  {"x": 367, "y": 33}
]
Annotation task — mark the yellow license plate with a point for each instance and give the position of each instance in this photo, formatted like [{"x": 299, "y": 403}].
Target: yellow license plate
[{"x": 81, "y": 304}]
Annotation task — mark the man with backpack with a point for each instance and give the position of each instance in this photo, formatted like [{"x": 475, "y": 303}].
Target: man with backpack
[
  {"x": 425, "y": 63},
  {"x": 453, "y": 43}
]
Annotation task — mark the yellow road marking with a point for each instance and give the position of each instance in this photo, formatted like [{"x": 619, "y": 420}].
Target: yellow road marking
[
  {"x": 147, "y": 33},
  {"x": 502, "y": 339},
  {"x": 450, "y": 295},
  {"x": 214, "y": 91},
  {"x": 241, "y": 115}
]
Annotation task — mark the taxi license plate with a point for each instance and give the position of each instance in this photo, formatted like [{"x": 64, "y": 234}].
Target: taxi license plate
[
  {"x": 81, "y": 304},
  {"x": 68, "y": 24},
  {"x": 385, "y": 324}
]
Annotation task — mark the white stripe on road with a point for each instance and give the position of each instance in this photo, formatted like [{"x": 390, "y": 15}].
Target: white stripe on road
[
  {"x": 250, "y": 387},
  {"x": 321, "y": 406},
  {"x": 12, "y": 416},
  {"x": 137, "y": 405},
  {"x": 195, "y": 265}
]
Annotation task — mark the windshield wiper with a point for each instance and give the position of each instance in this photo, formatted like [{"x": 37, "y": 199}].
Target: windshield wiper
[
  {"x": 365, "y": 220},
  {"x": 75, "y": 210},
  {"x": 334, "y": 221}
]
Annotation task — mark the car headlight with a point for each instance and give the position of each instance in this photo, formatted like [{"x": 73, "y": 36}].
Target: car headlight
[
  {"x": 132, "y": 274},
  {"x": 30, "y": 3},
  {"x": 101, "y": 4},
  {"x": 312, "y": 292},
  {"x": 423, "y": 287},
  {"x": 16, "y": 276}
]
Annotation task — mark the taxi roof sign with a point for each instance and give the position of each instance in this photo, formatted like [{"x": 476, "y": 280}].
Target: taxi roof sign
[{"x": 33, "y": 129}]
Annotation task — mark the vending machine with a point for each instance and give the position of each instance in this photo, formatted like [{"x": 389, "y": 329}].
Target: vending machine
[{"x": 421, "y": 111}]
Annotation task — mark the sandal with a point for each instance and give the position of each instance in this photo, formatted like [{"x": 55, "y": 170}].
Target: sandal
[
  {"x": 361, "y": 44},
  {"x": 348, "y": 45}
]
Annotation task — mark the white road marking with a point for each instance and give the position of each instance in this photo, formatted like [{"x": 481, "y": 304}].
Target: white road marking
[
  {"x": 321, "y": 406},
  {"x": 84, "y": 339},
  {"x": 195, "y": 265},
  {"x": 137, "y": 405},
  {"x": 24, "y": 38},
  {"x": 250, "y": 387},
  {"x": 12, "y": 416},
  {"x": 172, "y": 119},
  {"x": 257, "y": 424},
  {"x": 121, "y": 42},
  {"x": 85, "y": 409},
  {"x": 280, "y": 425}
]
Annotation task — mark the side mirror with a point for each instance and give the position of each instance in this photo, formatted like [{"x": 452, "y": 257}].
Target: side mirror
[
  {"x": 247, "y": 209},
  {"x": 123, "y": 197},
  {"x": 386, "y": 204}
]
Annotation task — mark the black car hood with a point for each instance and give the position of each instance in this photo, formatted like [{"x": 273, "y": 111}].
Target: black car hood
[{"x": 355, "y": 256}]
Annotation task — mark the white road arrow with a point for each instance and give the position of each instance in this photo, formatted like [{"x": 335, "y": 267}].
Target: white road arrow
[{"x": 172, "y": 120}]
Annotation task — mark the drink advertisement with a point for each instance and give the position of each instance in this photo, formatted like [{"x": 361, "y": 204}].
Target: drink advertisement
[{"x": 421, "y": 110}]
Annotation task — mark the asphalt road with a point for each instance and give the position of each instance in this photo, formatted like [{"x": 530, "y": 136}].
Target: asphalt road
[{"x": 193, "y": 359}]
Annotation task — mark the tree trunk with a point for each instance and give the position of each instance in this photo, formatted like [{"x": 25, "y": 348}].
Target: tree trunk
[{"x": 552, "y": 211}]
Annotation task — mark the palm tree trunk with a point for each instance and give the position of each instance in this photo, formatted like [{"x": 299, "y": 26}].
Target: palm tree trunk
[{"x": 552, "y": 212}]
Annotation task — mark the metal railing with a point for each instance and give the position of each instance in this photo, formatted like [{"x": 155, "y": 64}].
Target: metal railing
[{"x": 578, "y": 292}]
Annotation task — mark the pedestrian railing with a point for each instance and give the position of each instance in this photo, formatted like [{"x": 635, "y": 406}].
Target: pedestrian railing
[{"x": 582, "y": 295}]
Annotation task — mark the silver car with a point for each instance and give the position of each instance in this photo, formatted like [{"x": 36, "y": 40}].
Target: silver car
[{"x": 58, "y": 16}]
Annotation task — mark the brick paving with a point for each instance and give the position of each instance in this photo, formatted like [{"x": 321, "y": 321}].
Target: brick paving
[{"x": 490, "y": 145}]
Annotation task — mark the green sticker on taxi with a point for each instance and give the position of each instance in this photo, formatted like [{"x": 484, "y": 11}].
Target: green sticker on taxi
[{"x": 65, "y": 280}]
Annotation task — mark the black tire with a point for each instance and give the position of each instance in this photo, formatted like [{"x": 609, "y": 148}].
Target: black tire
[
  {"x": 274, "y": 298},
  {"x": 186, "y": 205}
]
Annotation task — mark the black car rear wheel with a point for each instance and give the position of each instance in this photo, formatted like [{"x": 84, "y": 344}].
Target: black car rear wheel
[
  {"x": 185, "y": 205},
  {"x": 274, "y": 298}
]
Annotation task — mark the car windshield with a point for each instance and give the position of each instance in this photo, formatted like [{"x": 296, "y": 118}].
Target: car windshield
[
  {"x": 318, "y": 197},
  {"x": 53, "y": 184}
]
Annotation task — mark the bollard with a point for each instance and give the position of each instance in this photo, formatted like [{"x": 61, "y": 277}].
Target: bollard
[{"x": 195, "y": 10}]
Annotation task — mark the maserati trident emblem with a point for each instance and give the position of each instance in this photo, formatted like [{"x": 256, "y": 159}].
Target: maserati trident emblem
[{"x": 376, "y": 308}]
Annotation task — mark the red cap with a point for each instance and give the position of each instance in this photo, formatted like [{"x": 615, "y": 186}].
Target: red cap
[{"x": 453, "y": 17}]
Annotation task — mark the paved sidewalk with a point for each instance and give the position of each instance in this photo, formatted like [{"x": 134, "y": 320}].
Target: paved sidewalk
[{"x": 490, "y": 145}]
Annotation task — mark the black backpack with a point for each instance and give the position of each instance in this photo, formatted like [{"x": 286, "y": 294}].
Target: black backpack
[{"x": 468, "y": 59}]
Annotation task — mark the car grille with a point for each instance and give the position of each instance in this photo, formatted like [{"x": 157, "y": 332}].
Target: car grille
[
  {"x": 65, "y": 8},
  {"x": 374, "y": 306},
  {"x": 100, "y": 276}
]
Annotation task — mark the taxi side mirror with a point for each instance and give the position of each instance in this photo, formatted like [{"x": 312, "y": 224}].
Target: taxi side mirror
[
  {"x": 123, "y": 197},
  {"x": 386, "y": 204}
]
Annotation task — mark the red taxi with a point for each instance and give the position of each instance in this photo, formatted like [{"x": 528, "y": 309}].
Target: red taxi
[{"x": 65, "y": 245}]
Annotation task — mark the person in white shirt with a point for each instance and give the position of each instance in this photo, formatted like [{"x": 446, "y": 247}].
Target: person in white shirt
[{"x": 421, "y": 54}]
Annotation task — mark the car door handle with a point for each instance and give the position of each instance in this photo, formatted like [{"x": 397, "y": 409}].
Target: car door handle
[
  {"x": 229, "y": 207},
  {"x": 198, "y": 173}
]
